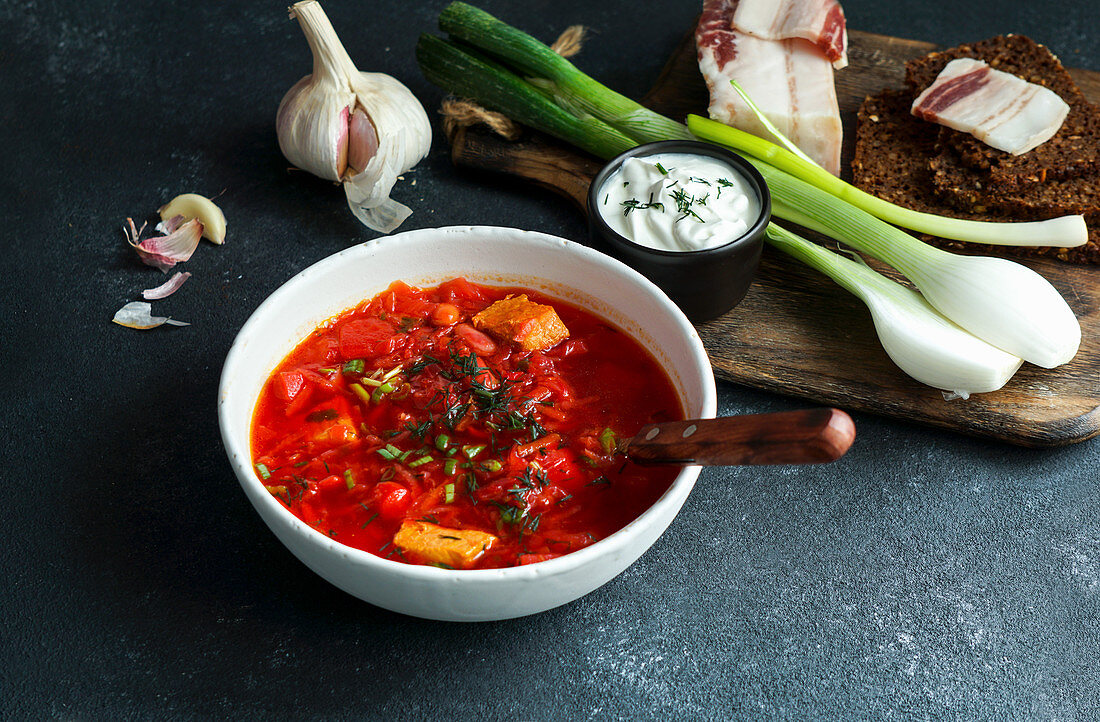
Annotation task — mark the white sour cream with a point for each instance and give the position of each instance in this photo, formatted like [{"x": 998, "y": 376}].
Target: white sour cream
[{"x": 678, "y": 202}]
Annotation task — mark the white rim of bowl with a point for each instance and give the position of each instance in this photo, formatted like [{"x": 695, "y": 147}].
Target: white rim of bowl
[{"x": 238, "y": 455}]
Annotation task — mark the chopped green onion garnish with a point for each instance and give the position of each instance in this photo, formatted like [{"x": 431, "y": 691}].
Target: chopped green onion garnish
[
  {"x": 391, "y": 373},
  {"x": 264, "y": 473},
  {"x": 472, "y": 450},
  {"x": 370, "y": 382},
  {"x": 381, "y": 391},
  {"x": 361, "y": 392},
  {"x": 442, "y": 441},
  {"x": 389, "y": 451},
  {"x": 607, "y": 440},
  {"x": 450, "y": 466},
  {"x": 493, "y": 465},
  {"x": 405, "y": 455},
  {"x": 449, "y": 493},
  {"x": 662, "y": 169},
  {"x": 349, "y": 478},
  {"x": 419, "y": 462},
  {"x": 355, "y": 366}
]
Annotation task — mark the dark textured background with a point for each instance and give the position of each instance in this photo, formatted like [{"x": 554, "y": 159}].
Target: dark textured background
[{"x": 924, "y": 576}]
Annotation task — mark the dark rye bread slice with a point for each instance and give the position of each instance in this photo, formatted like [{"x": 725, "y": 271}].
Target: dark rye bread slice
[
  {"x": 891, "y": 161},
  {"x": 1075, "y": 148}
]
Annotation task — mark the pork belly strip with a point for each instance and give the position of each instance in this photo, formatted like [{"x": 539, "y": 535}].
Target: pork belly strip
[
  {"x": 791, "y": 81},
  {"x": 821, "y": 22},
  {"x": 1002, "y": 110}
]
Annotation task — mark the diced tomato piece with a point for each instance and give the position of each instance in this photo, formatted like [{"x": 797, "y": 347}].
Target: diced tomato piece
[
  {"x": 461, "y": 289},
  {"x": 288, "y": 384},
  {"x": 532, "y": 558},
  {"x": 479, "y": 342},
  {"x": 332, "y": 483},
  {"x": 367, "y": 337},
  {"x": 569, "y": 348},
  {"x": 391, "y": 499},
  {"x": 301, "y": 399}
]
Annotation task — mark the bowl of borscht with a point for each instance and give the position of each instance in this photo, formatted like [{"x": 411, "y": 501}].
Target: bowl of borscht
[{"x": 430, "y": 420}]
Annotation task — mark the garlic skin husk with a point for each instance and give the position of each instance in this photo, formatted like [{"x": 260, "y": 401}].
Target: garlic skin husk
[{"x": 339, "y": 118}]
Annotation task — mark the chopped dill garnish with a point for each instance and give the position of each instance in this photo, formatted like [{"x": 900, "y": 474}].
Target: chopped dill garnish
[
  {"x": 635, "y": 205},
  {"x": 423, "y": 362},
  {"x": 683, "y": 205}
]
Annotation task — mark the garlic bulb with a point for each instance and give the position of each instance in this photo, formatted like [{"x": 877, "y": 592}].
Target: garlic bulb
[{"x": 359, "y": 129}]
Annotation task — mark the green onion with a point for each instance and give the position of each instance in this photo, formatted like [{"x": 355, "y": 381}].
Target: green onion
[
  {"x": 472, "y": 450},
  {"x": 442, "y": 441},
  {"x": 1001, "y": 302},
  {"x": 448, "y": 493},
  {"x": 361, "y": 392},
  {"x": 391, "y": 373},
  {"x": 923, "y": 343},
  {"x": 450, "y": 466},
  {"x": 389, "y": 451},
  {"x": 264, "y": 473},
  {"x": 349, "y": 478},
  {"x": 558, "y": 78},
  {"x": 370, "y": 382},
  {"x": 607, "y": 440},
  {"x": 1064, "y": 232},
  {"x": 460, "y": 72},
  {"x": 419, "y": 462},
  {"x": 355, "y": 366},
  {"x": 493, "y": 465},
  {"x": 381, "y": 391}
]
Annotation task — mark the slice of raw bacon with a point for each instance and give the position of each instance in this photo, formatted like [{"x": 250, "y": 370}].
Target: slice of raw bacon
[
  {"x": 791, "y": 81},
  {"x": 999, "y": 109},
  {"x": 819, "y": 21}
]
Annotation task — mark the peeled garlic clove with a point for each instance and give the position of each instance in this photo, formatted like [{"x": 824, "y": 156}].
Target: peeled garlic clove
[
  {"x": 361, "y": 129},
  {"x": 192, "y": 205}
]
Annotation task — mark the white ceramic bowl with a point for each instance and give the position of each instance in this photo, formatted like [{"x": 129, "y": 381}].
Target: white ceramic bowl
[{"x": 489, "y": 255}]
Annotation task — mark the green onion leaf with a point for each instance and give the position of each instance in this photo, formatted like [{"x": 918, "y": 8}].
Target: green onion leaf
[
  {"x": 361, "y": 392},
  {"x": 419, "y": 462},
  {"x": 442, "y": 441},
  {"x": 349, "y": 478},
  {"x": 450, "y": 466},
  {"x": 472, "y": 450},
  {"x": 355, "y": 366},
  {"x": 608, "y": 440},
  {"x": 449, "y": 493},
  {"x": 264, "y": 473}
]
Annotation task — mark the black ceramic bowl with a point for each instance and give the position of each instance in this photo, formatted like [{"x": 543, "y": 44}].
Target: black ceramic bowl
[{"x": 704, "y": 284}]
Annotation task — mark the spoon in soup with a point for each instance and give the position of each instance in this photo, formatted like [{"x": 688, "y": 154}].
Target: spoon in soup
[{"x": 808, "y": 436}]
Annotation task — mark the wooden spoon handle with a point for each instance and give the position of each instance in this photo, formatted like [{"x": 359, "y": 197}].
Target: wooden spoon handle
[{"x": 810, "y": 436}]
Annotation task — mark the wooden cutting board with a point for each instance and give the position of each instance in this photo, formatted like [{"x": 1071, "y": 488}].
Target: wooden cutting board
[{"x": 796, "y": 332}]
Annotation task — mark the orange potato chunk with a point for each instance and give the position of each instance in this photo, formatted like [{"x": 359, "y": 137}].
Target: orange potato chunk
[
  {"x": 527, "y": 325},
  {"x": 457, "y": 548}
]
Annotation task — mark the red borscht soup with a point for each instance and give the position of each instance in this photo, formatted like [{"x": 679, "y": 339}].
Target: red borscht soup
[{"x": 463, "y": 426}]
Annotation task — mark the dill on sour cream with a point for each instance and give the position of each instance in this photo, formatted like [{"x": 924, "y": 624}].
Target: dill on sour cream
[{"x": 678, "y": 202}]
